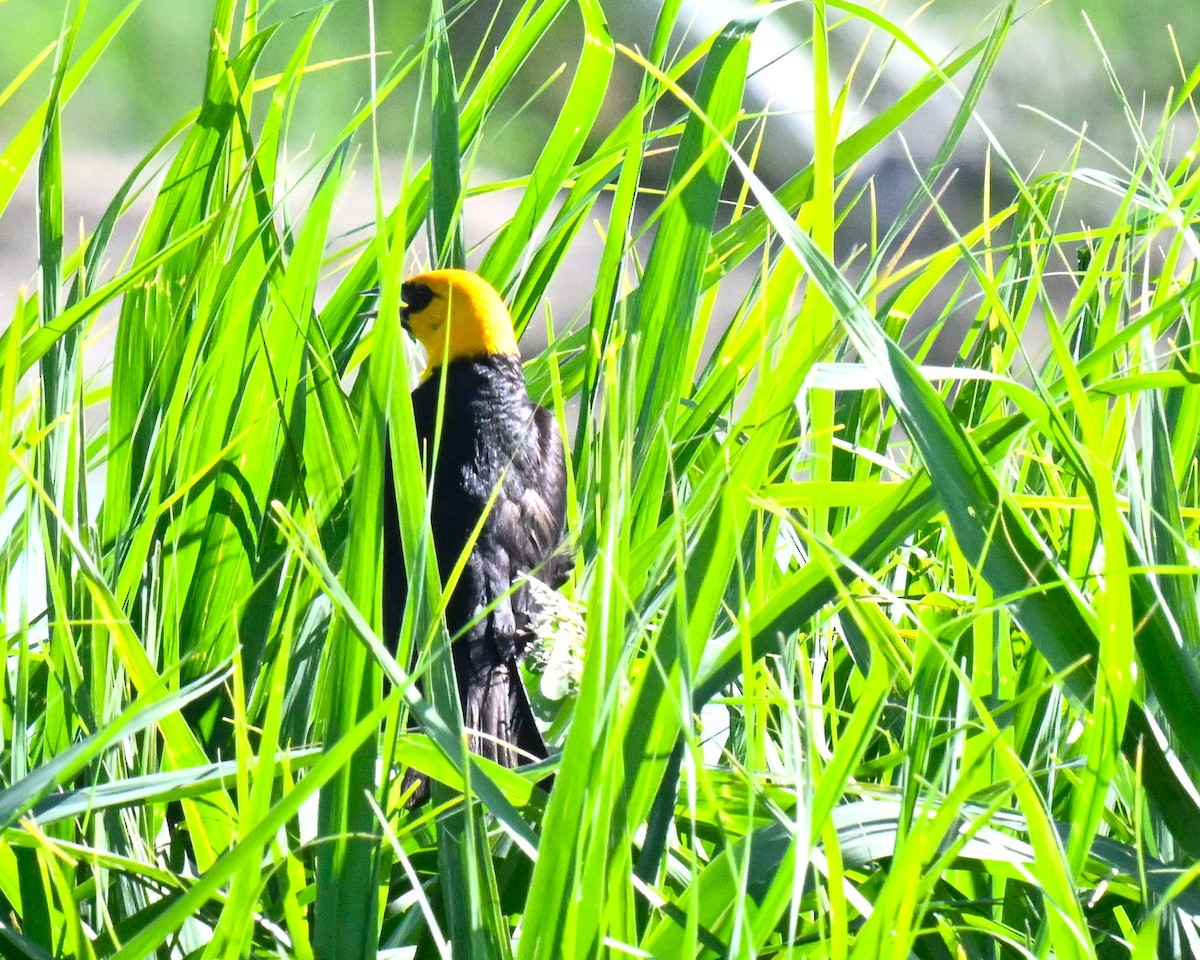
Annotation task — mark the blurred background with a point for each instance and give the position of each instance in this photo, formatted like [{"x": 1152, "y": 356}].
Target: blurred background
[{"x": 1052, "y": 79}]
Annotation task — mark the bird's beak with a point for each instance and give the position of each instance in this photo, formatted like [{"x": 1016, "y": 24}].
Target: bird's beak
[{"x": 374, "y": 294}]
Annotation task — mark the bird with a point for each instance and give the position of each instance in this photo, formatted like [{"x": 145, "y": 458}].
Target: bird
[{"x": 499, "y": 463}]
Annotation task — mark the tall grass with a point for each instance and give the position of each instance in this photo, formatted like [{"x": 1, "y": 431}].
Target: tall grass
[{"x": 882, "y": 658}]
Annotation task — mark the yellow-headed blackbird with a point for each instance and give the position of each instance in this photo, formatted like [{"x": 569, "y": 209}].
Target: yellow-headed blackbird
[{"x": 500, "y": 457}]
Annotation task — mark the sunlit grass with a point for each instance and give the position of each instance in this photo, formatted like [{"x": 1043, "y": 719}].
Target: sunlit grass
[{"x": 882, "y": 658}]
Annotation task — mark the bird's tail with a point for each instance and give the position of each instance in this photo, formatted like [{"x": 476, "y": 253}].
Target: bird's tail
[{"x": 497, "y": 712}]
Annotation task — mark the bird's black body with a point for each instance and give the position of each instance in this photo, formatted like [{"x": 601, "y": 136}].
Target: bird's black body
[{"x": 496, "y": 447}]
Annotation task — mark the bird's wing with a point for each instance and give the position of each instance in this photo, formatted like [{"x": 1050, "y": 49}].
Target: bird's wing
[
  {"x": 522, "y": 534},
  {"x": 543, "y": 502}
]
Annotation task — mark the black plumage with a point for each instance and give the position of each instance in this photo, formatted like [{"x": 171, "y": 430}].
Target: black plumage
[{"x": 492, "y": 436}]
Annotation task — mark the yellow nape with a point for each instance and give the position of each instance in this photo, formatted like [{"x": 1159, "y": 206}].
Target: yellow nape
[{"x": 455, "y": 315}]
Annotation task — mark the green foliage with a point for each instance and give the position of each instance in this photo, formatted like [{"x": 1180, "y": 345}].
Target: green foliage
[{"x": 883, "y": 657}]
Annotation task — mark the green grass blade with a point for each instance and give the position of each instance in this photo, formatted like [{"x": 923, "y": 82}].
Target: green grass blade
[
  {"x": 445, "y": 165},
  {"x": 579, "y": 113}
]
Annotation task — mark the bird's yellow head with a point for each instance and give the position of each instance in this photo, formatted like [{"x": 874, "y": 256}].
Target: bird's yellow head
[{"x": 455, "y": 315}]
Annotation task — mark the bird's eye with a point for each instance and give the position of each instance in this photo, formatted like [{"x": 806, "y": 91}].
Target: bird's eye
[{"x": 416, "y": 297}]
